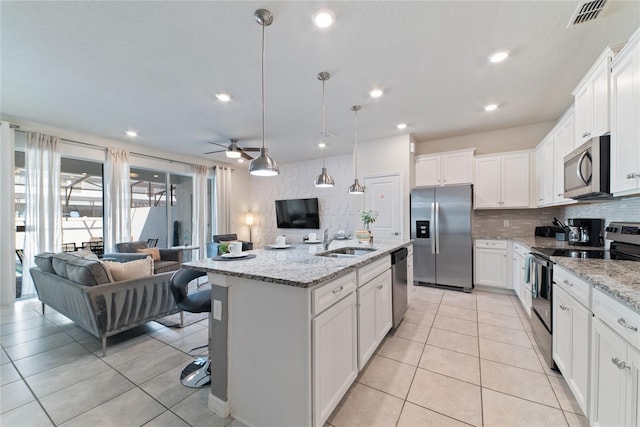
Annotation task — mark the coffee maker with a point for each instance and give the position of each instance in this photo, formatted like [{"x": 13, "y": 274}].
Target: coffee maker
[{"x": 586, "y": 231}]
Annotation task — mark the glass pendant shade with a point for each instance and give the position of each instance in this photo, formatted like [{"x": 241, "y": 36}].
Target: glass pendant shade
[
  {"x": 264, "y": 165},
  {"x": 323, "y": 180},
  {"x": 356, "y": 188}
]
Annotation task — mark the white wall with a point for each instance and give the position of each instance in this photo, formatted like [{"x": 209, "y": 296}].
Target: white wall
[
  {"x": 498, "y": 141},
  {"x": 389, "y": 156}
]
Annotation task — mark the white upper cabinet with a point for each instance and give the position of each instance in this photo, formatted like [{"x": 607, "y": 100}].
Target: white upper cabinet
[
  {"x": 563, "y": 144},
  {"x": 550, "y": 162},
  {"x": 592, "y": 99},
  {"x": 502, "y": 181},
  {"x": 449, "y": 168},
  {"x": 625, "y": 119}
]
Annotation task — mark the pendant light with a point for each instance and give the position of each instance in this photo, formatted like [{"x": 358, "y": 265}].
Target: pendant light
[
  {"x": 323, "y": 180},
  {"x": 263, "y": 165},
  {"x": 356, "y": 188}
]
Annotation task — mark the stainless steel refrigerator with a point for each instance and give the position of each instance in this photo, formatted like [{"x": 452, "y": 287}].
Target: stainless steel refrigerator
[{"x": 441, "y": 233}]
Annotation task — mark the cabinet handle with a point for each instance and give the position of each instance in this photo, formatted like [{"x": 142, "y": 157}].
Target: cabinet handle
[
  {"x": 621, "y": 364},
  {"x": 568, "y": 283},
  {"x": 586, "y": 134},
  {"x": 626, "y": 325},
  {"x": 338, "y": 289},
  {"x": 564, "y": 307},
  {"x": 380, "y": 286}
]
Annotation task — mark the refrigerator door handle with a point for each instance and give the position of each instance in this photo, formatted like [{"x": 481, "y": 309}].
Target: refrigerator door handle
[
  {"x": 437, "y": 233},
  {"x": 432, "y": 226}
]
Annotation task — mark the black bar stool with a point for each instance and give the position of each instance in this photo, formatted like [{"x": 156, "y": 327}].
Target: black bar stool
[{"x": 197, "y": 373}]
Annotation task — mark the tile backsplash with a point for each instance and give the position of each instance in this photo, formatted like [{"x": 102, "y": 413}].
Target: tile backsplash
[
  {"x": 619, "y": 209},
  {"x": 521, "y": 222}
]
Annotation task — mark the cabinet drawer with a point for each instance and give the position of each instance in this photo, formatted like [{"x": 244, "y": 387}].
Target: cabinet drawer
[
  {"x": 573, "y": 285},
  {"x": 491, "y": 244},
  {"x": 618, "y": 317},
  {"x": 328, "y": 294},
  {"x": 520, "y": 249},
  {"x": 372, "y": 270}
]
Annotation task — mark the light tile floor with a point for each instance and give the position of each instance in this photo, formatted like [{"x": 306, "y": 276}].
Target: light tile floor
[{"x": 457, "y": 359}]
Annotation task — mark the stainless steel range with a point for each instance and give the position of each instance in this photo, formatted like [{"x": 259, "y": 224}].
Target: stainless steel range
[{"x": 625, "y": 245}]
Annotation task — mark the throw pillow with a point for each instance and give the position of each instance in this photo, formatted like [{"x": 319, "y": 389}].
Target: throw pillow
[
  {"x": 43, "y": 261},
  {"x": 87, "y": 272},
  {"x": 153, "y": 252},
  {"x": 130, "y": 270}
]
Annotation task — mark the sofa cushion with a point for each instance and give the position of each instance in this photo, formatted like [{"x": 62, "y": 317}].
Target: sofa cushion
[
  {"x": 59, "y": 262},
  {"x": 87, "y": 272},
  {"x": 43, "y": 262},
  {"x": 130, "y": 270},
  {"x": 153, "y": 252}
]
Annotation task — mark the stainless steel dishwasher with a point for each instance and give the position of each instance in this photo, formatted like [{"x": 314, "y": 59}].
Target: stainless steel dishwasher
[{"x": 399, "y": 284}]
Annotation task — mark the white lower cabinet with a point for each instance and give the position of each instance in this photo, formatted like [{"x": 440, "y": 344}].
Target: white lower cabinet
[
  {"x": 615, "y": 367},
  {"x": 335, "y": 349},
  {"x": 520, "y": 286},
  {"x": 490, "y": 263},
  {"x": 374, "y": 315},
  {"x": 571, "y": 331}
]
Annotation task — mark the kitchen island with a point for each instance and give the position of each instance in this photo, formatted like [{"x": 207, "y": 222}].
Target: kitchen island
[{"x": 291, "y": 329}]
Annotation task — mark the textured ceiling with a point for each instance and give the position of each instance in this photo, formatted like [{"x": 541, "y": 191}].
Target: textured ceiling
[{"x": 105, "y": 67}]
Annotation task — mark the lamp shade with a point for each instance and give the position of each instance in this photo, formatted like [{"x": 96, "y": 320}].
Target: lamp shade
[
  {"x": 356, "y": 188},
  {"x": 264, "y": 165},
  {"x": 323, "y": 180},
  {"x": 249, "y": 218}
]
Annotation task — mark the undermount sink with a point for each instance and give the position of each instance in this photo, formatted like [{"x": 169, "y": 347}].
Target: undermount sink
[{"x": 346, "y": 252}]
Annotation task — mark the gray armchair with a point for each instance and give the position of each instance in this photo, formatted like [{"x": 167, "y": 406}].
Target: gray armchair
[{"x": 170, "y": 259}]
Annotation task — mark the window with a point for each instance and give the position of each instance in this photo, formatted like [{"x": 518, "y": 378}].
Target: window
[
  {"x": 82, "y": 204},
  {"x": 149, "y": 217}
]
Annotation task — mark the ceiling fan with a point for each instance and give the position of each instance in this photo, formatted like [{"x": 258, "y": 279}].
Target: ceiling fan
[{"x": 232, "y": 150}]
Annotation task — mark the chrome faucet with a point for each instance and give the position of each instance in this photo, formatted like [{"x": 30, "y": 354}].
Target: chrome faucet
[{"x": 326, "y": 241}]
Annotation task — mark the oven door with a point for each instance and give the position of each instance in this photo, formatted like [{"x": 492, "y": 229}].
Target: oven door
[
  {"x": 578, "y": 172},
  {"x": 541, "y": 288}
]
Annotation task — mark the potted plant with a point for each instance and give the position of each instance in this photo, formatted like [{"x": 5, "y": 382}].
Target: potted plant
[{"x": 367, "y": 217}]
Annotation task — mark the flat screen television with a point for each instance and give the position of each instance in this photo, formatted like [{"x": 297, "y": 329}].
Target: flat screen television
[{"x": 298, "y": 213}]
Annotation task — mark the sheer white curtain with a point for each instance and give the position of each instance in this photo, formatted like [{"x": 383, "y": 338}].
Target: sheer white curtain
[
  {"x": 223, "y": 200},
  {"x": 43, "y": 210},
  {"x": 200, "y": 208},
  {"x": 117, "y": 199}
]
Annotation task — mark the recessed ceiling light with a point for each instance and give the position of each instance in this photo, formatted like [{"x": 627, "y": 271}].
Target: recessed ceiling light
[
  {"x": 240, "y": 160},
  {"x": 376, "y": 93},
  {"x": 324, "y": 18},
  {"x": 131, "y": 133},
  {"x": 224, "y": 97},
  {"x": 498, "y": 57},
  {"x": 322, "y": 144},
  {"x": 491, "y": 107},
  {"x": 401, "y": 126},
  {"x": 155, "y": 175}
]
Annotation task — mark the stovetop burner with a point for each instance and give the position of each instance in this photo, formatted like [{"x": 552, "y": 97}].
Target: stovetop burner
[{"x": 575, "y": 253}]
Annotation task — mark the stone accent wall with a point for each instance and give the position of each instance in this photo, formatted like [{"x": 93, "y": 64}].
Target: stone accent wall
[{"x": 338, "y": 210}]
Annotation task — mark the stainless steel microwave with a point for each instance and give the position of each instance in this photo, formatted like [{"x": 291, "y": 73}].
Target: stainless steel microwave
[{"x": 586, "y": 170}]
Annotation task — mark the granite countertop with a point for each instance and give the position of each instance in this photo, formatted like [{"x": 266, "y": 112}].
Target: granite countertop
[
  {"x": 620, "y": 279},
  {"x": 298, "y": 265}
]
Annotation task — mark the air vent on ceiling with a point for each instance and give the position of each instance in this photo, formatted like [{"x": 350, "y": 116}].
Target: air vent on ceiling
[{"x": 587, "y": 11}]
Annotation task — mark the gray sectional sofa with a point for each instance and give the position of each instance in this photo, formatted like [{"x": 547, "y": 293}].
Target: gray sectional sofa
[{"x": 82, "y": 290}]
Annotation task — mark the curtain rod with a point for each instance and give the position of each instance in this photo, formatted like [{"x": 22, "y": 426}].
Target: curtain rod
[{"x": 87, "y": 144}]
